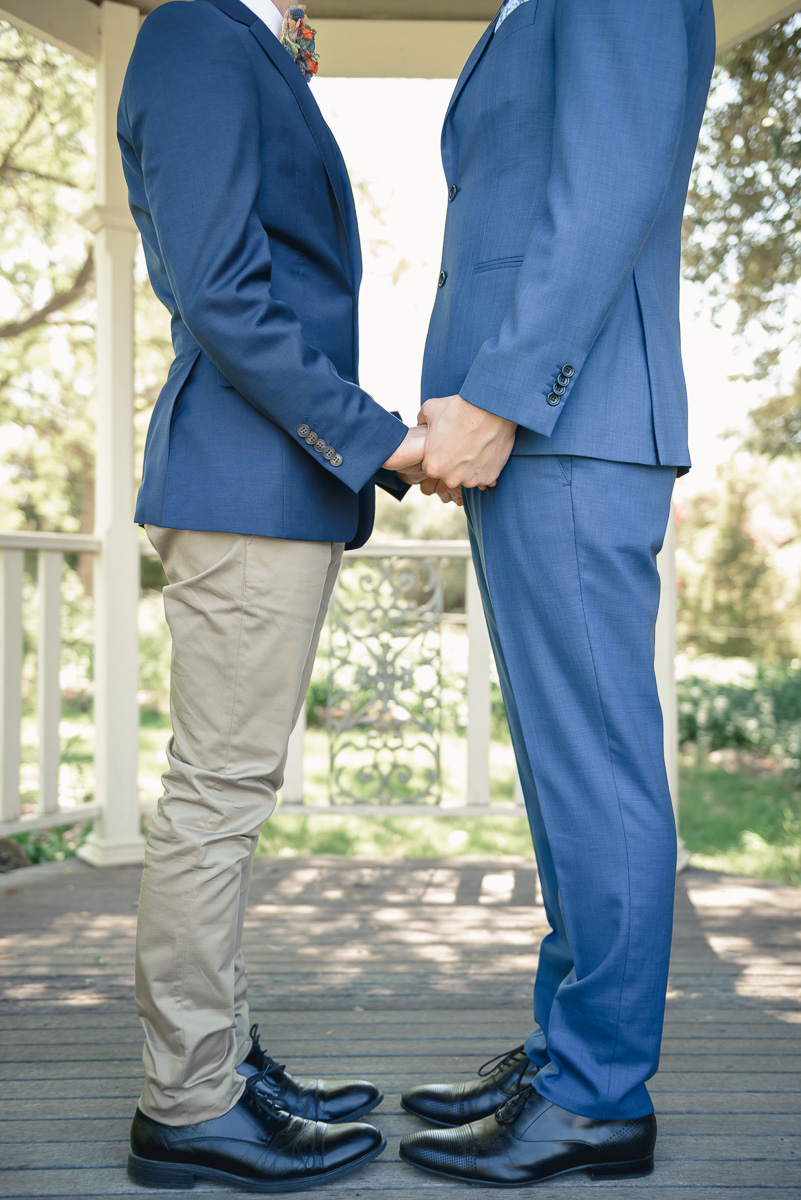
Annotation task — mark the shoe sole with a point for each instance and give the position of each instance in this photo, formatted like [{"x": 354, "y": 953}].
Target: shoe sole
[
  {"x": 360, "y": 1112},
  {"x": 182, "y": 1176},
  {"x": 638, "y": 1168}
]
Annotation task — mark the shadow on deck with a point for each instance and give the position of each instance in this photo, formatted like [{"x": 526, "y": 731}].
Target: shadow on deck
[{"x": 400, "y": 972}]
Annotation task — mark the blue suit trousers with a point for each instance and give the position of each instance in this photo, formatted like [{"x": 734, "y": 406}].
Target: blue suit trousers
[{"x": 565, "y": 551}]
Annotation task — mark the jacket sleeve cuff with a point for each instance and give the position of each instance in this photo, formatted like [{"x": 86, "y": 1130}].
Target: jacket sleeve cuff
[
  {"x": 389, "y": 482},
  {"x": 534, "y": 407},
  {"x": 376, "y": 439}
]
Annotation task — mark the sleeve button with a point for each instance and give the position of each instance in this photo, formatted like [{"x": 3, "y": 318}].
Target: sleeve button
[
  {"x": 320, "y": 446},
  {"x": 569, "y": 371},
  {"x": 553, "y": 399},
  {"x": 329, "y": 453},
  {"x": 311, "y": 437},
  {"x": 562, "y": 380},
  {"x": 337, "y": 460},
  {"x": 559, "y": 389},
  {"x": 303, "y": 431}
]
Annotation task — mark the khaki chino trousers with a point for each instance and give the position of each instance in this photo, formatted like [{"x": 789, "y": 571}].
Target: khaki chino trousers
[{"x": 245, "y": 615}]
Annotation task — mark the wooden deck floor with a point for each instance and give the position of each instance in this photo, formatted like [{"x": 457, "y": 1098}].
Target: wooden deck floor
[{"x": 400, "y": 972}]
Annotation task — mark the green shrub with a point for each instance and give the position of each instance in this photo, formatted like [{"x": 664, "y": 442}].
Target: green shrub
[{"x": 763, "y": 717}]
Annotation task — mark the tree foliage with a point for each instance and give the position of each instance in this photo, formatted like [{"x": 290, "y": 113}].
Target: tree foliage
[
  {"x": 743, "y": 215},
  {"x": 46, "y": 287}
]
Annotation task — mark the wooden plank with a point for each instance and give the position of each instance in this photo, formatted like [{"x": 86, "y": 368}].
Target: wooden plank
[{"x": 385, "y": 1176}]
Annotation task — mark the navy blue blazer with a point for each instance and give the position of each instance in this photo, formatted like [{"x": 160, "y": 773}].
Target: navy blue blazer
[
  {"x": 249, "y": 231},
  {"x": 567, "y": 150}
]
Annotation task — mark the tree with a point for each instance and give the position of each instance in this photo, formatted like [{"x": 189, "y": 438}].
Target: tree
[
  {"x": 46, "y": 286},
  {"x": 731, "y": 598},
  {"x": 743, "y": 215},
  {"x": 776, "y": 425}
]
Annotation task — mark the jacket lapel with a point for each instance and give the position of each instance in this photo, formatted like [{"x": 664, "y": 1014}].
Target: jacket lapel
[
  {"x": 472, "y": 62},
  {"x": 306, "y": 102}
]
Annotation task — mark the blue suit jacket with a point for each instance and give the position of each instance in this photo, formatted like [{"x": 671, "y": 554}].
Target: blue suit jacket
[
  {"x": 567, "y": 149},
  {"x": 250, "y": 236}
]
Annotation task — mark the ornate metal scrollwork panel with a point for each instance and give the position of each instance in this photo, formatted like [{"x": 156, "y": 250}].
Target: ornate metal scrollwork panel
[{"x": 384, "y": 712}]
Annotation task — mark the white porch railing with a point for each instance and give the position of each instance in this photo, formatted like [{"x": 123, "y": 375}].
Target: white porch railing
[
  {"x": 50, "y": 550},
  {"x": 119, "y": 808}
]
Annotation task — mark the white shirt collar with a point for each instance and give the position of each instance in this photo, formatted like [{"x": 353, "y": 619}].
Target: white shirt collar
[{"x": 266, "y": 11}]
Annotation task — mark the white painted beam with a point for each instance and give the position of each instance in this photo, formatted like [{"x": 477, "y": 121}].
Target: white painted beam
[
  {"x": 72, "y": 25},
  {"x": 360, "y": 49},
  {"x": 739, "y": 20}
]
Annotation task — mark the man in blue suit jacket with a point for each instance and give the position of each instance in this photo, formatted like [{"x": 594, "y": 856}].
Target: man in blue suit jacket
[
  {"x": 554, "y": 359},
  {"x": 260, "y": 465}
]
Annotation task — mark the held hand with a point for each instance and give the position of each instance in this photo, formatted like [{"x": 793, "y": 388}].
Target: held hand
[
  {"x": 436, "y": 487},
  {"x": 466, "y": 446},
  {"x": 410, "y": 452},
  {"x": 430, "y": 487}
]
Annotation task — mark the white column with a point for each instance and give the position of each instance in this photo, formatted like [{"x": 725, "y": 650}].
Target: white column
[
  {"x": 478, "y": 696},
  {"x": 666, "y": 671},
  {"x": 117, "y": 839}
]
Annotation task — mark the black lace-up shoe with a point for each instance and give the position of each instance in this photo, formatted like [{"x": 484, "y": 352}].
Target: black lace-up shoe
[
  {"x": 314, "y": 1099},
  {"x": 257, "y": 1147},
  {"x": 530, "y": 1140},
  {"x": 456, "y": 1103}
]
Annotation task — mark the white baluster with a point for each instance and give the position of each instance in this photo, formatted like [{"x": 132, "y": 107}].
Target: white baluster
[
  {"x": 49, "y": 671},
  {"x": 665, "y": 663},
  {"x": 11, "y": 566},
  {"x": 294, "y": 784},
  {"x": 478, "y": 696}
]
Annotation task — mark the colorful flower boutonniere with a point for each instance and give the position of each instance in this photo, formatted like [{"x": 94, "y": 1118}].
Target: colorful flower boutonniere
[{"x": 299, "y": 40}]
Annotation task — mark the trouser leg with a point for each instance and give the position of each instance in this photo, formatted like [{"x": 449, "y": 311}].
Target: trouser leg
[
  {"x": 569, "y": 548},
  {"x": 555, "y": 960},
  {"x": 242, "y": 1013},
  {"x": 245, "y": 614}
]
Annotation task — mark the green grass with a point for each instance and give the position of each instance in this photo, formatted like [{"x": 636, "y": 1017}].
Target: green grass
[
  {"x": 742, "y": 824},
  {"x": 395, "y": 837},
  {"x": 731, "y": 822}
]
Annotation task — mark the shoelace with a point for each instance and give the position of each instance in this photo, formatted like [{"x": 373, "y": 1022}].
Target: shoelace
[
  {"x": 501, "y": 1061},
  {"x": 511, "y": 1107},
  {"x": 263, "y": 1104},
  {"x": 270, "y": 1069}
]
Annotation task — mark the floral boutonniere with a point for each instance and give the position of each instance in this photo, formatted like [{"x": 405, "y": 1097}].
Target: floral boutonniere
[{"x": 299, "y": 40}]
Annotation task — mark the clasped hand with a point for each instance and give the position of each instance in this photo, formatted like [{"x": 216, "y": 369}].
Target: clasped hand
[{"x": 454, "y": 445}]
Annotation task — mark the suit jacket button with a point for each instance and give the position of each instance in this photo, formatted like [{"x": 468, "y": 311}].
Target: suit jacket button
[
  {"x": 311, "y": 437},
  {"x": 329, "y": 453},
  {"x": 453, "y": 193},
  {"x": 320, "y": 446},
  {"x": 569, "y": 371},
  {"x": 303, "y": 431},
  {"x": 553, "y": 398},
  {"x": 443, "y": 275},
  {"x": 337, "y": 460},
  {"x": 559, "y": 389},
  {"x": 562, "y": 380}
]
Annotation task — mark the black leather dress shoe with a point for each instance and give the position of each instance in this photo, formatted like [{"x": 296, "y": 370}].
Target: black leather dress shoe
[
  {"x": 257, "y": 1147},
  {"x": 530, "y": 1140},
  {"x": 457, "y": 1103},
  {"x": 314, "y": 1099}
]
